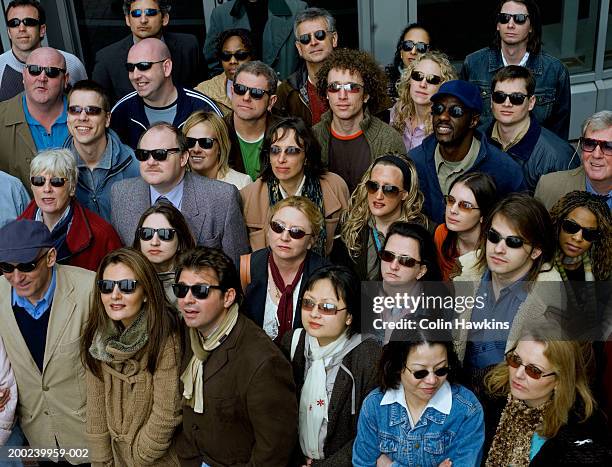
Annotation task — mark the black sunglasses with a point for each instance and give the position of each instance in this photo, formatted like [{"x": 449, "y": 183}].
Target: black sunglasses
[
  {"x": 127, "y": 286},
  {"x": 352, "y": 88},
  {"x": 455, "y": 111},
  {"x": 142, "y": 66},
  {"x": 157, "y": 154},
  {"x": 309, "y": 304},
  {"x": 421, "y": 47},
  {"x": 137, "y": 13},
  {"x": 590, "y": 144},
  {"x": 420, "y": 374},
  {"x": 464, "y": 205},
  {"x": 294, "y": 232},
  {"x": 28, "y": 22},
  {"x": 8, "y": 268},
  {"x": 89, "y": 110},
  {"x": 519, "y": 18},
  {"x": 199, "y": 291},
  {"x": 256, "y": 93},
  {"x": 531, "y": 370},
  {"x": 516, "y": 98},
  {"x": 205, "y": 143},
  {"x": 512, "y": 241},
  {"x": 146, "y": 233},
  {"x": 405, "y": 260},
  {"x": 56, "y": 182},
  {"x": 571, "y": 227},
  {"x": 390, "y": 191},
  {"x": 319, "y": 35},
  {"x": 420, "y": 76},
  {"x": 240, "y": 55},
  {"x": 50, "y": 71}
]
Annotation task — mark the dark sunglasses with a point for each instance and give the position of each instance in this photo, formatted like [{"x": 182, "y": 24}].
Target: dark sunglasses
[
  {"x": 126, "y": 286},
  {"x": 142, "y": 66},
  {"x": 289, "y": 151},
  {"x": 519, "y": 18},
  {"x": 157, "y": 154},
  {"x": 455, "y": 111},
  {"x": 390, "y": 191},
  {"x": 464, "y": 205},
  {"x": 164, "y": 234},
  {"x": 28, "y": 22},
  {"x": 352, "y": 88},
  {"x": 512, "y": 241},
  {"x": 89, "y": 110},
  {"x": 531, "y": 370},
  {"x": 56, "y": 182},
  {"x": 421, "y": 374},
  {"x": 420, "y": 76},
  {"x": 405, "y": 260},
  {"x": 590, "y": 144},
  {"x": 256, "y": 93},
  {"x": 571, "y": 227},
  {"x": 8, "y": 268},
  {"x": 324, "y": 308},
  {"x": 50, "y": 71},
  {"x": 319, "y": 35},
  {"x": 199, "y": 291},
  {"x": 240, "y": 55},
  {"x": 294, "y": 232},
  {"x": 137, "y": 13},
  {"x": 516, "y": 98},
  {"x": 421, "y": 47},
  {"x": 205, "y": 143}
]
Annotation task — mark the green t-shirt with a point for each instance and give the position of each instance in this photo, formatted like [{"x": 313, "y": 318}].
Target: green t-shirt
[{"x": 250, "y": 155}]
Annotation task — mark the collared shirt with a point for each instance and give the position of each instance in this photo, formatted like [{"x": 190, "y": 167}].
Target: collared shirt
[
  {"x": 39, "y": 216},
  {"x": 496, "y": 135},
  {"x": 94, "y": 177},
  {"x": 523, "y": 61},
  {"x": 442, "y": 400},
  {"x": 42, "y": 139},
  {"x": 38, "y": 309},
  {"x": 174, "y": 196},
  {"x": 590, "y": 189},
  {"x": 298, "y": 192},
  {"x": 449, "y": 171}
]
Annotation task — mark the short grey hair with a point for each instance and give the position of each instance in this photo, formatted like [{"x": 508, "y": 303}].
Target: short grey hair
[
  {"x": 163, "y": 5},
  {"x": 258, "y": 68},
  {"x": 310, "y": 14},
  {"x": 57, "y": 163},
  {"x": 601, "y": 120}
]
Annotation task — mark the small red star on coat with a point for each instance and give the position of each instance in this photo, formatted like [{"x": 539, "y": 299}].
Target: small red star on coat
[{"x": 320, "y": 402}]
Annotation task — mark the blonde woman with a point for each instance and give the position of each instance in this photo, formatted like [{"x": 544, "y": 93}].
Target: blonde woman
[{"x": 421, "y": 79}]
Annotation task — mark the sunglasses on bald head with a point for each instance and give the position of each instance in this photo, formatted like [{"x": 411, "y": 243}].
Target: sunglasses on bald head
[
  {"x": 142, "y": 66},
  {"x": 50, "y": 71}
]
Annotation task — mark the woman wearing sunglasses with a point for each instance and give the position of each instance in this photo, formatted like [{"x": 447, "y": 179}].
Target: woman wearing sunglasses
[
  {"x": 291, "y": 166},
  {"x": 470, "y": 199},
  {"x": 334, "y": 367},
  {"x": 161, "y": 235},
  {"x": 82, "y": 238},
  {"x": 209, "y": 146},
  {"x": 277, "y": 274},
  {"x": 419, "y": 415},
  {"x": 132, "y": 354},
  {"x": 421, "y": 79},
  {"x": 550, "y": 417},
  {"x": 388, "y": 192}
]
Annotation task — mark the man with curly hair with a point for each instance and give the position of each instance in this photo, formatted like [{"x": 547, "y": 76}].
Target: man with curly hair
[{"x": 351, "y": 137}]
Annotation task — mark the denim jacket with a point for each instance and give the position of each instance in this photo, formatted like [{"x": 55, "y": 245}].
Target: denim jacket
[
  {"x": 553, "y": 98},
  {"x": 385, "y": 429}
]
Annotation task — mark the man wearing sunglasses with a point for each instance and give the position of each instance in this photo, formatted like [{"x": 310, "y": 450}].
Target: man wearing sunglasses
[
  {"x": 315, "y": 39},
  {"x": 518, "y": 41},
  {"x": 457, "y": 147},
  {"x": 595, "y": 173},
  {"x": 26, "y": 28},
  {"x": 43, "y": 310},
  {"x": 148, "y": 18},
  {"x": 156, "y": 98},
  {"x": 517, "y": 132}
]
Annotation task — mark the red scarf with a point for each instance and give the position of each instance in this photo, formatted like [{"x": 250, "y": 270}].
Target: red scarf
[{"x": 284, "y": 312}]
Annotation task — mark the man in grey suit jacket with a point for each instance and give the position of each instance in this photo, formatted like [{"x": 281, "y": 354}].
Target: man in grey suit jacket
[{"x": 211, "y": 208}]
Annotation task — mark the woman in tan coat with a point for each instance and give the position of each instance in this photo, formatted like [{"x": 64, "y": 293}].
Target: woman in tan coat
[{"x": 131, "y": 351}]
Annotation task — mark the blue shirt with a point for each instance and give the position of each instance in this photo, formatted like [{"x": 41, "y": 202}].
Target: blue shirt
[
  {"x": 537, "y": 442},
  {"x": 174, "y": 196},
  {"x": 42, "y": 139},
  {"x": 590, "y": 189},
  {"x": 36, "y": 311}
]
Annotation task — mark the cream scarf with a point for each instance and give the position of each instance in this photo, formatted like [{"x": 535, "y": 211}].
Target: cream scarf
[{"x": 193, "y": 376}]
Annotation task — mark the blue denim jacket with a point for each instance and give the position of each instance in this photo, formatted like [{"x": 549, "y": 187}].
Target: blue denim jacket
[
  {"x": 553, "y": 98},
  {"x": 385, "y": 429}
]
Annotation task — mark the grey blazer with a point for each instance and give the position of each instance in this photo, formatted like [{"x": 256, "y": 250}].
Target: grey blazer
[
  {"x": 211, "y": 208},
  {"x": 553, "y": 186}
]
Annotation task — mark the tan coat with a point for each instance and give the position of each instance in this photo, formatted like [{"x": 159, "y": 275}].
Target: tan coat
[
  {"x": 132, "y": 414},
  {"x": 215, "y": 88},
  {"x": 553, "y": 186},
  {"x": 257, "y": 208}
]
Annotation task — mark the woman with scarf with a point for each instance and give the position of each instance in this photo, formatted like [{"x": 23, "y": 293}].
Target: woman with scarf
[
  {"x": 82, "y": 238},
  {"x": 334, "y": 367},
  {"x": 132, "y": 354},
  {"x": 291, "y": 166},
  {"x": 279, "y": 272},
  {"x": 162, "y": 234},
  {"x": 550, "y": 417}
]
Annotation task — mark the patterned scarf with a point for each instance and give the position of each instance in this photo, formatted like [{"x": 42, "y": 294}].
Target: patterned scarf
[
  {"x": 284, "y": 311},
  {"x": 110, "y": 343},
  {"x": 585, "y": 259}
]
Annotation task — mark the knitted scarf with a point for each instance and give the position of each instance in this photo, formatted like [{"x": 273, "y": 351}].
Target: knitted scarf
[
  {"x": 284, "y": 311},
  {"x": 561, "y": 259},
  {"x": 193, "y": 376},
  {"x": 109, "y": 342},
  {"x": 512, "y": 442}
]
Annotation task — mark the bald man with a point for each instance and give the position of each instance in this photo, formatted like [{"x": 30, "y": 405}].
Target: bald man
[
  {"x": 35, "y": 119},
  {"x": 156, "y": 98}
]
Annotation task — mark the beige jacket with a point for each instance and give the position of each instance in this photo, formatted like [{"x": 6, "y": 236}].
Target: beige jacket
[
  {"x": 215, "y": 88},
  {"x": 553, "y": 186}
]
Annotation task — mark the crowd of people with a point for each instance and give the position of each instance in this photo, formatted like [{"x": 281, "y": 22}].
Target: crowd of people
[{"x": 193, "y": 244}]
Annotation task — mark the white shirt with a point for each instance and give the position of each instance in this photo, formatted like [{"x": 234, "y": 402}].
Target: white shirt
[
  {"x": 298, "y": 192},
  {"x": 523, "y": 61},
  {"x": 442, "y": 400},
  {"x": 270, "y": 321}
]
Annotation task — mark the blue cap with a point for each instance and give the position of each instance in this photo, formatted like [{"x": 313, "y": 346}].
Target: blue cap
[
  {"x": 22, "y": 240},
  {"x": 465, "y": 91}
]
